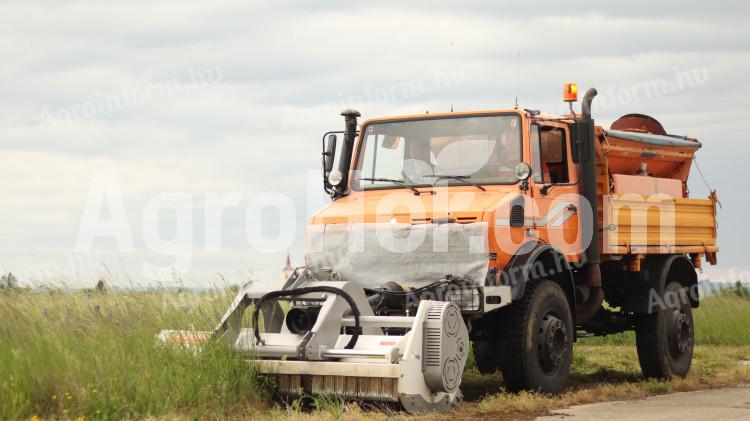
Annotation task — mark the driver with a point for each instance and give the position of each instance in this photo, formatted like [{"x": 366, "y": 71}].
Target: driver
[{"x": 503, "y": 158}]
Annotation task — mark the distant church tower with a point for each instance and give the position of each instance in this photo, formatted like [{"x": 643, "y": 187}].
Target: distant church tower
[{"x": 287, "y": 271}]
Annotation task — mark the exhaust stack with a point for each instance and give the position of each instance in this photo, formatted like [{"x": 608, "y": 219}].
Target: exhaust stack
[
  {"x": 586, "y": 105},
  {"x": 591, "y": 293}
]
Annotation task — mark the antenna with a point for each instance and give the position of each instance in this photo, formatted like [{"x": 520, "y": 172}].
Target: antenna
[
  {"x": 453, "y": 89},
  {"x": 518, "y": 75}
]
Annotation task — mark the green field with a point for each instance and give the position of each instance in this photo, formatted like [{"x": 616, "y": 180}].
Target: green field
[{"x": 66, "y": 355}]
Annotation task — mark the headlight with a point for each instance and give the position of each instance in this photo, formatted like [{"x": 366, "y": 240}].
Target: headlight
[
  {"x": 467, "y": 298},
  {"x": 522, "y": 171}
]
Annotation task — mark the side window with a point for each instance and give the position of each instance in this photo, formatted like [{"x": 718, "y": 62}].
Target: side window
[
  {"x": 554, "y": 155},
  {"x": 536, "y": 156}
]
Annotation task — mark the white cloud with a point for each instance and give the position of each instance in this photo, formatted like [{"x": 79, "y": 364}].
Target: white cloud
[{"x": 282, "y": 60}]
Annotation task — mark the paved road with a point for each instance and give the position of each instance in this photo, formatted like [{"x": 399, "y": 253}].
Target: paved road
[{"x": 713, "y": 405}]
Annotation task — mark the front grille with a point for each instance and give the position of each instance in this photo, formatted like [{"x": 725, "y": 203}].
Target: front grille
[{"x": 460, "y": 220}]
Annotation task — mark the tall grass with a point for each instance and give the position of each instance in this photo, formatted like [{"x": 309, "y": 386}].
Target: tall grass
[
  {"x": 723, "y": 320},
  {"x": 64, "y": 355},
  {"x": 94, "y": 354}
]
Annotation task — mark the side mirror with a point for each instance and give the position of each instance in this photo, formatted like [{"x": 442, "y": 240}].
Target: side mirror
[
  {"x": 330, "y": 153},
  {"x": 581, "y": 142}
]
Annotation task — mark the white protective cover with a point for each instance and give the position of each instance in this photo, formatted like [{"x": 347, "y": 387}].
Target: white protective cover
[{"x": 412, "y": 255}]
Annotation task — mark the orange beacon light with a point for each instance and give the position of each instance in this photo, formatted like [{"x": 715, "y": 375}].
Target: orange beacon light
[{"x": 570, "y": 93}]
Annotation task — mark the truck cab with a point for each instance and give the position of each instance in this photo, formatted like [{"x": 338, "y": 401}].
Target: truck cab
[{"x": 510, "y": 171}]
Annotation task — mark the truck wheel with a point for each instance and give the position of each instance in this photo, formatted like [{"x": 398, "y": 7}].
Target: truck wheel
[
  {"x": 538, "y": 340},
  {"x": 665, "y": 338},
  {"x": 487, "y": 355}
]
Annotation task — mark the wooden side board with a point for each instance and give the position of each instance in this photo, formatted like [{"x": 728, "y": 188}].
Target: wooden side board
[{"x": 633, "y": 224}]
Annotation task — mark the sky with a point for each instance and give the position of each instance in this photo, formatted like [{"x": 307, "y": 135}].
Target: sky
[{"x": 203, "y": 105}]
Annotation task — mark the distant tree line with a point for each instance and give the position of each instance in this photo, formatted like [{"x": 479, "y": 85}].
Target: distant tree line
[
  {"x": 8, "y": 281},
  {"x": 739, "y": 289}
]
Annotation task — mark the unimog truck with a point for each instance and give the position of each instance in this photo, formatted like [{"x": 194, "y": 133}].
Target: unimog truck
[{"x": 508, "y": 232}]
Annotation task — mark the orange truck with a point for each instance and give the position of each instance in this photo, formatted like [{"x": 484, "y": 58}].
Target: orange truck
[
  {"x": 576, "y": 215},
  {"x": 501, "y": 231}
]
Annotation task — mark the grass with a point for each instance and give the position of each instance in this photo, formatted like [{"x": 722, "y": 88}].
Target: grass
[
  {"x": 93, "y": 354},
  {"x": 65, "y": 355}
]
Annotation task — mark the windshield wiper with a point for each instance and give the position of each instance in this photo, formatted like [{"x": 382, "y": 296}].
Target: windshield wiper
[
  {"x": 464, "y": 178},
  {"x": 401, "y": 183}
]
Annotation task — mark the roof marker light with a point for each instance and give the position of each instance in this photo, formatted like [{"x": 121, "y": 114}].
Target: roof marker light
[{"x": 570, "y": 93}]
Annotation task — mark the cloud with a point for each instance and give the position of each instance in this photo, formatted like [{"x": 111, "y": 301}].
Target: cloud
[{"x": 287, "y": 69}]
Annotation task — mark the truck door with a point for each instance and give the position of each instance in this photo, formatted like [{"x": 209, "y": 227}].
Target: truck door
[{"x": 554, "y": 188}]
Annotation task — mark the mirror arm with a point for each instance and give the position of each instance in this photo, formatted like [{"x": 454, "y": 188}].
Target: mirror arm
[{"x": 327, "y": 187}]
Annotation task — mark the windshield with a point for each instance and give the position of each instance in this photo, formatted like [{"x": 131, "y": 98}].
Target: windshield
[{"x": 479, "y": 150}]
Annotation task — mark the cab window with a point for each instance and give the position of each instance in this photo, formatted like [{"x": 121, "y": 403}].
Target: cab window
[
  {"x": 428, "y": 151},
  {"x": 536, "y": 155},
  {"x": 384, "y": 158},
  {"x": 554, "y": 155}
]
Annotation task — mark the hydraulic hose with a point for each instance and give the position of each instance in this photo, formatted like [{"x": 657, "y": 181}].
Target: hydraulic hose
[
  {"x": 416, "y": 291},
  {"x": 307, "y": 290}
]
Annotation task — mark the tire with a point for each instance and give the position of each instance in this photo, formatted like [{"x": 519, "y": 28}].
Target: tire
[
  {"x": 537, "y": 340},
  {"x": 665, "y": 339},
  {"x": 487, "y": 356}
]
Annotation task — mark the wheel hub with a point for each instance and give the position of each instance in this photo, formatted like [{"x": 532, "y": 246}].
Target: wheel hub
[
  {"x": 682, "y": 338},
  {"x": 553, "y": 342}
]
